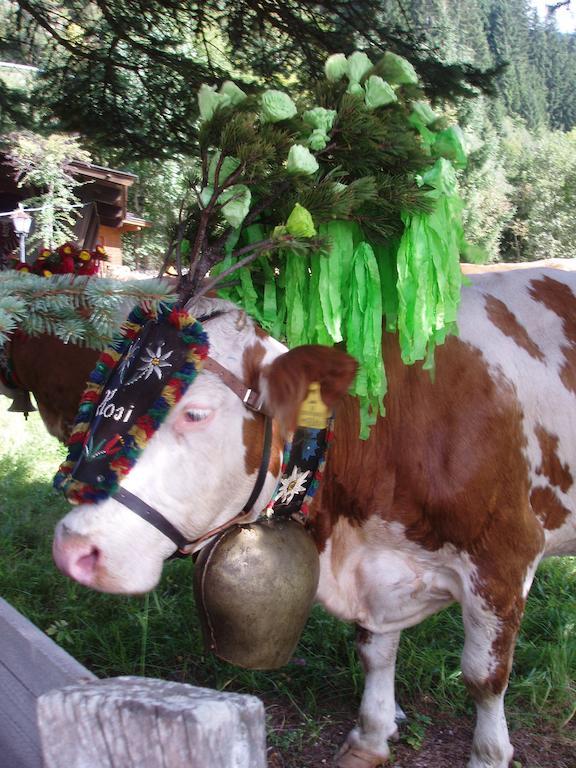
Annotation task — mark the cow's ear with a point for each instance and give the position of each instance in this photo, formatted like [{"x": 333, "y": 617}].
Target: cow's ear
[{"x": 287, "y": 380}]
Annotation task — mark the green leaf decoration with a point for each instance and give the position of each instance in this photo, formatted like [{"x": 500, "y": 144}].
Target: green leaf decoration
[
  {"x": 300, "y": 223},
  {"x": 301, "y": 160},
  {"x": 277, "y": 106},
  {"x": 378, "y": 93}
]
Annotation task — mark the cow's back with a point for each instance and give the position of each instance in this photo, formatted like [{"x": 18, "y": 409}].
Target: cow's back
[{"x": 524, "y": 325}]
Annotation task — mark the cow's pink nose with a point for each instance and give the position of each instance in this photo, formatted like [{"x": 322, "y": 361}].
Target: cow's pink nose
[{"x": 75, "y": 556}]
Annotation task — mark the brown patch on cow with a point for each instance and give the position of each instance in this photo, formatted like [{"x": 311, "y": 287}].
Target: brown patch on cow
[
  {"x": 260, "y": 332},
  {"x": 363, "y": 636},
  {"x": 506, "y": 321},
  {"x": 253, "y": 429},
  {"x": 558, "y": 298},
  {"x": 448, "y": 463},
  {"x": 56, "y": 374},
  {"x": 549, "y": 508},
  {"x": 254, "y": 424},
  {"x": 559, "y": 474}
]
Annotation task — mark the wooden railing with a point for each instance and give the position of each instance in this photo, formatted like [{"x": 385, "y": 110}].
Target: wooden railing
[{"x": 55, "y": 713}]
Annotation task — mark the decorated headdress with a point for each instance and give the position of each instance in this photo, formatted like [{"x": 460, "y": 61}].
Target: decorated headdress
[
  {"x": 323, "y": 215},
  {"x": 135, "y": 383}
]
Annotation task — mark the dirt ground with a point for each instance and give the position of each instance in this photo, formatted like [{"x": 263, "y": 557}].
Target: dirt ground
[{"x": 445, "y": 743}]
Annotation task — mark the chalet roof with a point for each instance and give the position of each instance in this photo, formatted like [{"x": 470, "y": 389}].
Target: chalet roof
[{"x": 113, "y": 175}]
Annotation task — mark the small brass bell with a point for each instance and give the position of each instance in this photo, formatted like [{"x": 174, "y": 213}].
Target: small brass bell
[
  {"x": 21, "y": 402},
  {"x": 254, "y": 588}
]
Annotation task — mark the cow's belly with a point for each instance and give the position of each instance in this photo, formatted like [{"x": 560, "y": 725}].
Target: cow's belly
[{"x": 383, "y": 582}]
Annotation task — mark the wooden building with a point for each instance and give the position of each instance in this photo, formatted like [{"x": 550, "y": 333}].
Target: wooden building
[{"x": 103, "y": 218}]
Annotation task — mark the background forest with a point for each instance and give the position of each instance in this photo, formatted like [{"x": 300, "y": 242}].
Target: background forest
[{"x": 124, "y": 76}]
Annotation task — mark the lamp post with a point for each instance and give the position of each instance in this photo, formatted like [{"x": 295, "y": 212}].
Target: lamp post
[{"x": 21, "y": 222}]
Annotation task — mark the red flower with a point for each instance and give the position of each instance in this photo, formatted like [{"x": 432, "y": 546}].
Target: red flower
[
  {"x": 88, "y": 267},
  {"x": 66, "y": 265},
  {"x": 68, "y": 249}
]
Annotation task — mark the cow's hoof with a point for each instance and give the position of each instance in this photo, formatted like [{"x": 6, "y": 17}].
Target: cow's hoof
[{"x": 352, "y": 757}]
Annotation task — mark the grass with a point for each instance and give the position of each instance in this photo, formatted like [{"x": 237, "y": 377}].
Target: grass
[{"x": 159, "y": 636}]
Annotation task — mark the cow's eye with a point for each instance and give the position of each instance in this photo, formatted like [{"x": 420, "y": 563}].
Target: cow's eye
[{"x": 196, "y": 414}]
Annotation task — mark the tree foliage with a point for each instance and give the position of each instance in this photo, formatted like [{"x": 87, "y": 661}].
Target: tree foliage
[
  {"x": 123, "y": 72},
  {"x": 41, "y": 163}
]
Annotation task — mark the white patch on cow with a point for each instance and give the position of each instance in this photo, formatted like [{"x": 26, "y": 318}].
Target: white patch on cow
[{"x": 374, "y": 576}]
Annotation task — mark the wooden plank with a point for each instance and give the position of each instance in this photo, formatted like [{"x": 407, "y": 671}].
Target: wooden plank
[
  {"x": 134, "y": 722},
  {"x": 30, "y": 664}
]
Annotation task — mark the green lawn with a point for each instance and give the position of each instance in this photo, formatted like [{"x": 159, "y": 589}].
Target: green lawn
[{"x": 159, "y": 636}]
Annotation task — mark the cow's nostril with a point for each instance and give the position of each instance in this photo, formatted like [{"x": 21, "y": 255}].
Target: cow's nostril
[
  {"x": 77, "y": 558},
  {"x": 85, "y": 565}
]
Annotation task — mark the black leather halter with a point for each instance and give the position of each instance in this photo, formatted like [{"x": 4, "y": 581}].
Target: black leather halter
[{"x": 251, "y": 400}]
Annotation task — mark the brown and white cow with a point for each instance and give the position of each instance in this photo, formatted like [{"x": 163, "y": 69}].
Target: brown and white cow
[
  {"x": 55, "y": 373},
  {"x": 460, "y": 491}
]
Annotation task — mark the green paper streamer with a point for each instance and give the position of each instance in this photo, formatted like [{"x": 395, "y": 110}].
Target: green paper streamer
[
  {"x": 296, "y": 299},
  {"x": 386, "y": 257},
  {"x": 364, "y": 336},
  {"x": 429, "y": 275}
]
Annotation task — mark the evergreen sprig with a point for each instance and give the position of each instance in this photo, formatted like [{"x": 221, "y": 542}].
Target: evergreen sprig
[{"x": 81, "y": 310}]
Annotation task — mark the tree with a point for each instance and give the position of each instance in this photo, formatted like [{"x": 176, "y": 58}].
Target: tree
[
  {"x": 42, "y": 164},
  {"x": 130, "y": 67},
  {"x": 543, "y": 172}
]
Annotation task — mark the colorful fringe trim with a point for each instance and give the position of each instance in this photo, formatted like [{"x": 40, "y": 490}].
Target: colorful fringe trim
[{"x": 135, "y": 440}]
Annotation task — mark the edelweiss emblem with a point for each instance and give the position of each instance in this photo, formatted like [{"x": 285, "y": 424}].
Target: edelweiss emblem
[
  {"x": 153, "y": 363},
  {"x": 292, "y": 486}
]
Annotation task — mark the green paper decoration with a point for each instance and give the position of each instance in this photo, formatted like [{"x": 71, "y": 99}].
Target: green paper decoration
[
  {"x": 301, "y": 160},
  {"x": 336, "y": 67},
  {"x": 370, "y": 275},
  {"x": 277, "y": 106},
  {"x": 378, "y": 92},
  {"x": 358, "y": 65},
  {"x": 300, "y": 223}
]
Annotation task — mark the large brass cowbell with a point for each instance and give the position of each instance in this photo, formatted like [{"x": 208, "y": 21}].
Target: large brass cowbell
[
  {"x": 255, "y": 584},
  {"x": 254, "y": 587}
]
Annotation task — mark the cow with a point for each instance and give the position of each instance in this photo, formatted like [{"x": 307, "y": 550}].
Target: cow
[
  {"x": 54, "y": 372},
  {"x": 460, "y": 490}
]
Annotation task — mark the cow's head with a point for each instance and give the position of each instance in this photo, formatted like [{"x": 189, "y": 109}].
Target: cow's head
[{"x": 199, "y": 469}]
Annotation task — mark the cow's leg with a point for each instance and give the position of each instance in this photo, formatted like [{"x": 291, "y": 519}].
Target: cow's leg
[
  {"x": 486, "y": 662},
  {"x": 367, "y": 744}
]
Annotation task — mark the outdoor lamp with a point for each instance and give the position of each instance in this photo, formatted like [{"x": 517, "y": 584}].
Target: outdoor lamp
[{"x": 21, "y": 222}]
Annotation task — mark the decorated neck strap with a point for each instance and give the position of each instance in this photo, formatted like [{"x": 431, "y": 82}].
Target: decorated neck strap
[{"x": 304, "y": 459}]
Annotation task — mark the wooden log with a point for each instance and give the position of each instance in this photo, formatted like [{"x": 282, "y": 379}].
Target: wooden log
[
  {"x": 134, "y": 722},
  {"x": 30, "y": 664}
]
